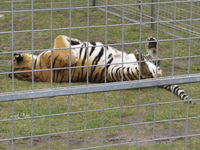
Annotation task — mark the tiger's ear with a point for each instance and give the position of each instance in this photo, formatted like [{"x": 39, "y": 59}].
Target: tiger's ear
[
  {"x": 75, "y": 42},
  {"x": 18, "y": 57}
]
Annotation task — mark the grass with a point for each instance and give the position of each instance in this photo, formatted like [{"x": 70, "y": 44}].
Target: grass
[{"x": 112, "y": 116}]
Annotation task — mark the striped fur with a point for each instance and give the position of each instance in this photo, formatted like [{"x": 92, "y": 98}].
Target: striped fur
[
  {"x": 104, "y": 63},
  {"x": 151, "y": 56},
  {"x": 179, "y": 92}
]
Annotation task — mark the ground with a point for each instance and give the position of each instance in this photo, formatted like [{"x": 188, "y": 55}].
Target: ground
[{"x": 167, "y": 115}]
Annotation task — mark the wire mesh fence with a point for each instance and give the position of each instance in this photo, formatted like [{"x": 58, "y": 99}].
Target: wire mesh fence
[
  {"x": 47, "y": 113},
  {"x": 169, "y": 15}
]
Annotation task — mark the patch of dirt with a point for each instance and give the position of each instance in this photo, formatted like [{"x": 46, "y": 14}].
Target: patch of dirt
[
  {"x": 178, "y": 65},
  {"x": 21, "y": 17},
  {"x": 127, "y": 134},
  {"x": 5, "y": 26},
  {"x": 181, "y": 63},
  {"x": 41, "y": 141}
]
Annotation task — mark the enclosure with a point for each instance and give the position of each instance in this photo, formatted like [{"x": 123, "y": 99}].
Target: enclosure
[{"x": 136, "y": 114}]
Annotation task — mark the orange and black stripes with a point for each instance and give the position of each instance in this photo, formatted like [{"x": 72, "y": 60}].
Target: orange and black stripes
[{"x": 89, "y": 61}]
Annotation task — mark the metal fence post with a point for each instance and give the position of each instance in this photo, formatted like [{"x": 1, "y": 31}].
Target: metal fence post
[
  {"x": 94, "y": 2},
  {"x": 152, "y": 14}
]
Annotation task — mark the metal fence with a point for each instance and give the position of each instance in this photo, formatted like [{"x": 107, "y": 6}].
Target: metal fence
[
  {"x": 64, "y": 116},
  {"x": 170, "y": 15}
]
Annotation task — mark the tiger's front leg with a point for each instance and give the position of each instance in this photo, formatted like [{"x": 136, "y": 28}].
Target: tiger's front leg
[
  {"x": 63, "y": 53},
  {"x": 144, "y": 70},
  {"x": 147, "y": 69},
  {"x": 151, "y": 48}
]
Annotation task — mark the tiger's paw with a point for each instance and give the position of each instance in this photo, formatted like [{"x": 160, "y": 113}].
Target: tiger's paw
[
  {"x": 138, "y": 55},
  {"x": 150, "y": 44},
  {"x": 188, "y": 99}
]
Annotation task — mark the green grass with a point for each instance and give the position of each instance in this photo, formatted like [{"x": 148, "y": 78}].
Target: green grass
[{"x": 95, "y": 101}]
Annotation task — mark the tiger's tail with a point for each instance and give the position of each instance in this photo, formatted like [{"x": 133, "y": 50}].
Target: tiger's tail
[{"x": 179, "y": 92}]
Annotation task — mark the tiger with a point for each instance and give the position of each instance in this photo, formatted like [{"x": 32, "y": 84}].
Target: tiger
[{"x": 79, "y": 61}]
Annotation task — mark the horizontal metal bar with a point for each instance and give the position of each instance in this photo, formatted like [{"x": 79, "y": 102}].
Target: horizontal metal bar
[{"x": 104, "y": 87}]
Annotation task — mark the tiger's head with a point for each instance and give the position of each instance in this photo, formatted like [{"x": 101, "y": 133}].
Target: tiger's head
[{"x": 22, "y": 64}]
